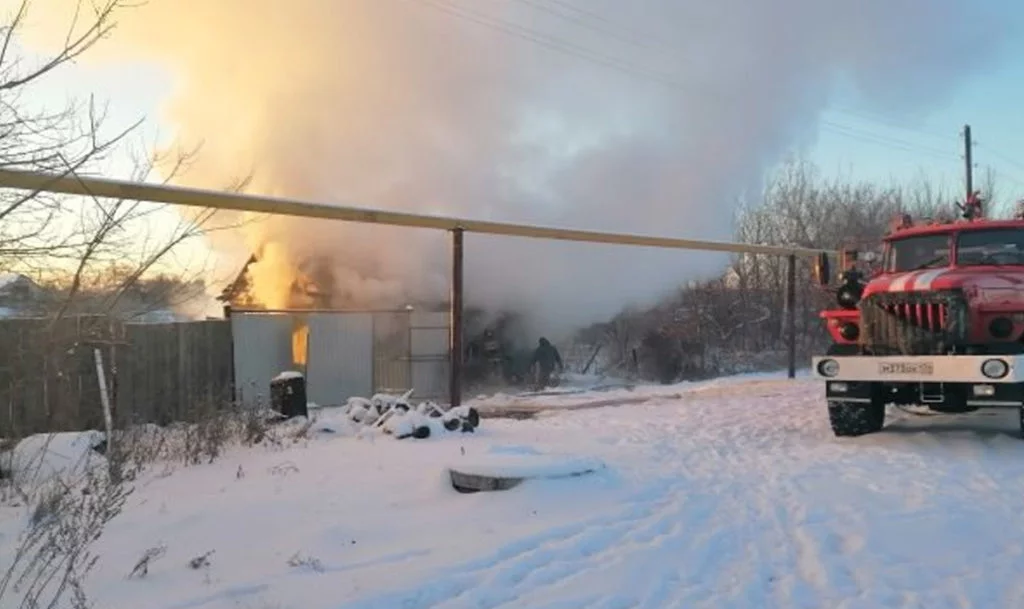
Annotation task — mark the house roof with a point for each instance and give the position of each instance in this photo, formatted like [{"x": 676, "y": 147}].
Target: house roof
[
  {"x": 239, "y": 283},
  {"x": 7, "y": 279}
]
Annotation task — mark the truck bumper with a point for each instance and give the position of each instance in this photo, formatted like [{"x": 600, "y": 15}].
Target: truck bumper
[{"x": 981, "y": 381}]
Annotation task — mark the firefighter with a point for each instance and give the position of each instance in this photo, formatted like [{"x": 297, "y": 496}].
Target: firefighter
[
  {"x": 492, "y": 346},
  {"x": 546, "y": 357}
]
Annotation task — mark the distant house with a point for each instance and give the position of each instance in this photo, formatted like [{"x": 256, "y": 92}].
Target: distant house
[{"x": 20, "y": 296}]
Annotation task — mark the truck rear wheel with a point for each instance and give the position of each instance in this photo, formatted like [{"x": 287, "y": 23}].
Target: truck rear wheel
[{"x": 856, "y": 419}]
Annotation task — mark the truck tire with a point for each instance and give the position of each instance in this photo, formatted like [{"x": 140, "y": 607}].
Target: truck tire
[{"x": 850, "y": 419}]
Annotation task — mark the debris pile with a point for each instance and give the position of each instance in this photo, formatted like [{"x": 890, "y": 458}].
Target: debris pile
[{"x": 395, "y": 415}]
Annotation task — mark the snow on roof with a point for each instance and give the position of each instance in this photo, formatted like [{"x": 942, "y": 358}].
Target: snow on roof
[{"x": 7, "y": 279}]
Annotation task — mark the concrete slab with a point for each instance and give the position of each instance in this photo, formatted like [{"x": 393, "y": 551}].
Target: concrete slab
[
  {"x": 504, "y": 471},
  {"x": 526, "y": 410}
]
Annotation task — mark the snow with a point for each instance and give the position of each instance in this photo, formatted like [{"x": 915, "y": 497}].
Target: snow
[
  {"x": 526, "y": 466},
  {"x": 7, "y": 279},
  {"x": 595, "y": 392},
  {"x": 39, "y": 459},
  {"x": 731, "y": 493},
  {"x": 287, "y": 375}
]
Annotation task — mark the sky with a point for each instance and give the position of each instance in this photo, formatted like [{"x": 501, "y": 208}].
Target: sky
[{"x": 852, "y": 138}]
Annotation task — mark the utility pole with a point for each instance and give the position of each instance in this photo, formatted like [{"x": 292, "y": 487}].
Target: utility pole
[
  {"x": 791, "y": 313},
  {"x": 455, "y": 318},
  {"x": 968, "y": 161}
]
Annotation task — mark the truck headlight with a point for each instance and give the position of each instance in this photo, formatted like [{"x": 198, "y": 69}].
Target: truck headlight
[
  {"x": 985, "y": 391},
  {"x": 828, "y": 367},
  {"x": 995, "y": 368},
  {"x": 848, "y": 295}
]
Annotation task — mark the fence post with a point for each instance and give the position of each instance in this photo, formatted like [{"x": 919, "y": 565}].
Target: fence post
[
  {"x": 791, "y": 313},
  {"x": 455, "y": 323}
]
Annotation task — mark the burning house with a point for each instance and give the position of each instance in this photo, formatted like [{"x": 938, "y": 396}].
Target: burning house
[
  {"x": 310, "y": 287},
  {"x": 497, "y": 349}
]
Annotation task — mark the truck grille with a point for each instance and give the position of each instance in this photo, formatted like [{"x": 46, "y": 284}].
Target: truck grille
[{"x": 909, "y": 323}]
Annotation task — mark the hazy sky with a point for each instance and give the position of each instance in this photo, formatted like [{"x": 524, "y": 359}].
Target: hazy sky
[
  {"x": 853, "y": 138},
  {"x": 295, "y": 93}
]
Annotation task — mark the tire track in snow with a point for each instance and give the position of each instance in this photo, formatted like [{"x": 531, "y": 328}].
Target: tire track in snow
[
  {"x": 508, "y": 567},
  {"x": 557, "y": 561},
  {"x": 761, "y": 506}
]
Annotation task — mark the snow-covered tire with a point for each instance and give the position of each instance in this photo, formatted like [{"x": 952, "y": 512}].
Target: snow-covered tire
[{"x": 855, "y": 419}]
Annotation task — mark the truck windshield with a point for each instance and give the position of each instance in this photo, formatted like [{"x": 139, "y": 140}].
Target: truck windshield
[
  {"x": 913, "y": 253},
  {"x": 990, "y": 246}
]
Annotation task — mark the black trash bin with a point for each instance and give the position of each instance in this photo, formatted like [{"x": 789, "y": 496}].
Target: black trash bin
[{"x": 288, "y": 395}]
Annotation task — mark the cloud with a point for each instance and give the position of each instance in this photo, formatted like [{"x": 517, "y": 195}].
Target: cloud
[{"x": 417, "y": 105}]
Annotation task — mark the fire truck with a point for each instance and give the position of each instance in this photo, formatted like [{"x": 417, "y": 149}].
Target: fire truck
[{"x": 936, "y": 322}]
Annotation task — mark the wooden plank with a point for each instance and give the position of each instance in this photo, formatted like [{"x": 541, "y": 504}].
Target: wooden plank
[{"x": 164, "y": 372}]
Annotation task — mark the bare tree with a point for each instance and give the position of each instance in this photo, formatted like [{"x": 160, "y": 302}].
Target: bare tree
[
  {"x": 92, "y": 255},
  {"x": 62, "y": 140},
  {"x": 737, "y": 321}
]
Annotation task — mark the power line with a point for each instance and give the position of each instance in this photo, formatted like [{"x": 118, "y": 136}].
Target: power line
[
  {"x": 560, "y": 45},
  {"x": 863, "y": 115},
  {"x": 871, "y": 117},
  {"x": 888, "y": 142},
  {"x": 584, "y": 23},
  {"x": 580, "y": 11},
  {"x": 1004, "y": 176},
  {"x": 1005, "y": 158},
  {"x": 896, "y": 142},
  {"x": 550, "y": 42}
]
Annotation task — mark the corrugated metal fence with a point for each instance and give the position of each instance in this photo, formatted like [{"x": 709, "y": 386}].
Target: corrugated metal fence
[
  {"x": 342, "y": 353},
  {"x": 164, "y": 372}
]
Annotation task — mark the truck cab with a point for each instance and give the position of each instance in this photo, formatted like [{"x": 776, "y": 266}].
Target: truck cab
[{"x": 938, "y": 323}]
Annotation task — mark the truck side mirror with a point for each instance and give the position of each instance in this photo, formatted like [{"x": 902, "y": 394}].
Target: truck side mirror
[{"x": 821, "y": 269}]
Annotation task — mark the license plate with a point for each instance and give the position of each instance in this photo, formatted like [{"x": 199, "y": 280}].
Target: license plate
[{"x": 923, "y": 368}]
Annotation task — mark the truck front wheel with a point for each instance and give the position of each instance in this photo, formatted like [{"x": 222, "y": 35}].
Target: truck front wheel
[{"x": 856, "y": 419}]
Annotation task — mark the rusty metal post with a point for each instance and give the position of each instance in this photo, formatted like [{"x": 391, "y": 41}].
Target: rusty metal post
[
  {"x": 455, "y": 323},
  {"x": 791, "y": 313}
]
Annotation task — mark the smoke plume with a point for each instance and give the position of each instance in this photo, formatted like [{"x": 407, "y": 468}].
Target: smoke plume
[{"x": 462, "y": 107}]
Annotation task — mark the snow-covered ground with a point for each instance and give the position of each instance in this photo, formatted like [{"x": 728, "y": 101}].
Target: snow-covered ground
[{"x": 731, "y": 494}]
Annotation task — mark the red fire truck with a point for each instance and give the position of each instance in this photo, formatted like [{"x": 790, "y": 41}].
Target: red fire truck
[{"x": 938, "y": 322}]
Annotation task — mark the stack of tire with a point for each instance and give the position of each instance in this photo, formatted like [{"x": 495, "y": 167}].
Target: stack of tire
[{"x": 402, "y": 420}]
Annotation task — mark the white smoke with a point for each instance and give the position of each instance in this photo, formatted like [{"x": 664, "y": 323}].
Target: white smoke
[{"x": 402, "y": 104}]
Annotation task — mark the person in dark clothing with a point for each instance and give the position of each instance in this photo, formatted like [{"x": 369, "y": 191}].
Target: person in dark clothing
[{"x": 546, "y": 357}]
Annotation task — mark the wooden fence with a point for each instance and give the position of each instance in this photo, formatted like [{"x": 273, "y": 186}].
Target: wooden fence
[{"x": 156, "y": 373}]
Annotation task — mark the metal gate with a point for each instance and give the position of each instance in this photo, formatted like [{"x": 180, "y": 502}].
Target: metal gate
[
  {"x": 261, "y": 349},
  {"x": 339, "y": 361},
  {"x": 428, "y": 355}
]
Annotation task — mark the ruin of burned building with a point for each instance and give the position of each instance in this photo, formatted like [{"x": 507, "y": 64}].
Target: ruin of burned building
[{"x": 310, "y": 289}]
